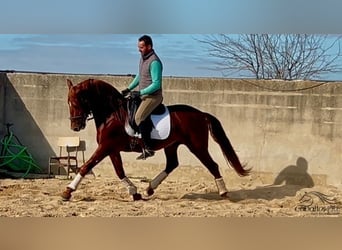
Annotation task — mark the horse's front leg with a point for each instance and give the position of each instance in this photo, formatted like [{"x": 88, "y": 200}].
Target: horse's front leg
[
  {"x": 98, "y": 156},
  {"x": 120, "y": 172}
]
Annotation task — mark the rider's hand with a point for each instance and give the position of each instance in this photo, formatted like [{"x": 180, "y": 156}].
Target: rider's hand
[
  {"x": 135, "y": 94},
  {"x": 125, "y": 92}
]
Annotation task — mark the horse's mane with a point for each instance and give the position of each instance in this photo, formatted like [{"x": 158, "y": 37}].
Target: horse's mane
[{"x": 102, "y": 98}]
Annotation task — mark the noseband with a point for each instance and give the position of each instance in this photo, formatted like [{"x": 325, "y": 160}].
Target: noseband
[{"x": 77, "y": 117}]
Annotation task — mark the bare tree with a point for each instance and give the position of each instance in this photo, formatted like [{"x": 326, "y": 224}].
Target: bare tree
[{"x": 275, "y": 56}]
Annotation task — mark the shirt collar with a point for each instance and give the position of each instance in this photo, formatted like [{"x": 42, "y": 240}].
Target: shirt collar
[{"x": 144, "y": 57}]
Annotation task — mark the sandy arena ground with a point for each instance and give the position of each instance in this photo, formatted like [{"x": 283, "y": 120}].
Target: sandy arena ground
[{"x": 187, "y": 192}]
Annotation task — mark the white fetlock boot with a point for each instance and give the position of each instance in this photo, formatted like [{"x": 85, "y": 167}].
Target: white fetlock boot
[{"x": 221, "y": 186}]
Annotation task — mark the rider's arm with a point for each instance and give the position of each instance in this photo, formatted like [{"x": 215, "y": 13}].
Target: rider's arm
[
  {"x": 156, "y": 75},
  {"x": 134, "y": 83}
]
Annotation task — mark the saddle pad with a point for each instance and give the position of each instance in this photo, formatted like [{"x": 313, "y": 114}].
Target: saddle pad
[{"x": 161, "y": 126}]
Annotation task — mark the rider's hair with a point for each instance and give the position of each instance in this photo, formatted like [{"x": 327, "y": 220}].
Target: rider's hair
[{"x": 147, "y": 39}]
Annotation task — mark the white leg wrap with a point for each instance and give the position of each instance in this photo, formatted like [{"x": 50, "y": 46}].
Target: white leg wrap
[
  {"x": 73, "y": 185},
  {"x": 158, "y": 179},
  {"x": 221, "y": 186},
  {"x": 132, "y": 189}
]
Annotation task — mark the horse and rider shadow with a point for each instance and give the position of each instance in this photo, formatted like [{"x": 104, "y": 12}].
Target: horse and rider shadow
[{"x": 287, "y": 183}]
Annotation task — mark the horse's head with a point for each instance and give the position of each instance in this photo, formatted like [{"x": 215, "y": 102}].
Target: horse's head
[{"x": 78, "y": 108}]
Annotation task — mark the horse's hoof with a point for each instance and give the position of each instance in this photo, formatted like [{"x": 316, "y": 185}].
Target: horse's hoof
[
  {"x": 137, "y": 197},
  {"x": 149, "y": 191},
  {"x": 66, "y": 195},
  {"x": 224, "y": 195}
]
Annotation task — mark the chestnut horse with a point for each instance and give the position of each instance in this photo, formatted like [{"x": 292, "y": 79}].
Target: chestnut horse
[{"x": 189, "y": 127}]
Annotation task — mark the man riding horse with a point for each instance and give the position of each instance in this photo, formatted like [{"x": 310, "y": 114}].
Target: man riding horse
[{"x": 149, "y": 82}]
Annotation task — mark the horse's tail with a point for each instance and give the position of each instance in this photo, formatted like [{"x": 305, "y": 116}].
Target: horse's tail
[{"x": 218, "y": 134}]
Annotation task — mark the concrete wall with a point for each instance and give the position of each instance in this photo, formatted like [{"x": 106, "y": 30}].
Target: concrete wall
[{"x": 271, "y": 124}]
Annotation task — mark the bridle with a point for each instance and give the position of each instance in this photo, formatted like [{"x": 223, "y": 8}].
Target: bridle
[
  {"x": 78, "y": 117},
  {"x": 83, "y": 117},
  {"x": 88, "y": 115}
]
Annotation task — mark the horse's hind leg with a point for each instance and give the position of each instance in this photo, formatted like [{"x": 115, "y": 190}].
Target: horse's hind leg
[
  {"x": 203, "y": 155},
  {"x": 171, "y": 164}
]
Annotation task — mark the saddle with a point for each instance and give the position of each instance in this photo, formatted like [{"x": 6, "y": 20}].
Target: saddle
[{"x": 159, "y": 119}]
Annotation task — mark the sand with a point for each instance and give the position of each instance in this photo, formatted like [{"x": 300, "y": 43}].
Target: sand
[{"x": 187, "y": 192}]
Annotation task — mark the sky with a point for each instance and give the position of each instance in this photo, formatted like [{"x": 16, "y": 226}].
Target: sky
[
  {"x": 100, "y": 37},
  {"x": 182, "y": 54}
]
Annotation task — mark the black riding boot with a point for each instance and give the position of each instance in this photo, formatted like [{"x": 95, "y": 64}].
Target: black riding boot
[{"x": 145, "y": 129}]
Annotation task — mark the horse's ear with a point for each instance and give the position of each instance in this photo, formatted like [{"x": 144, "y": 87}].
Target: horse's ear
[{"x": 69, "y": 83}]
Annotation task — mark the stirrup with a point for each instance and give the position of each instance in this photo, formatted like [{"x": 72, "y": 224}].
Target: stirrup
[{"x": 145, "y": 154}]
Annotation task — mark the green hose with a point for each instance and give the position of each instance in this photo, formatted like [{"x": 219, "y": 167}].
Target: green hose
[{"x": 16, "y": 157}]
